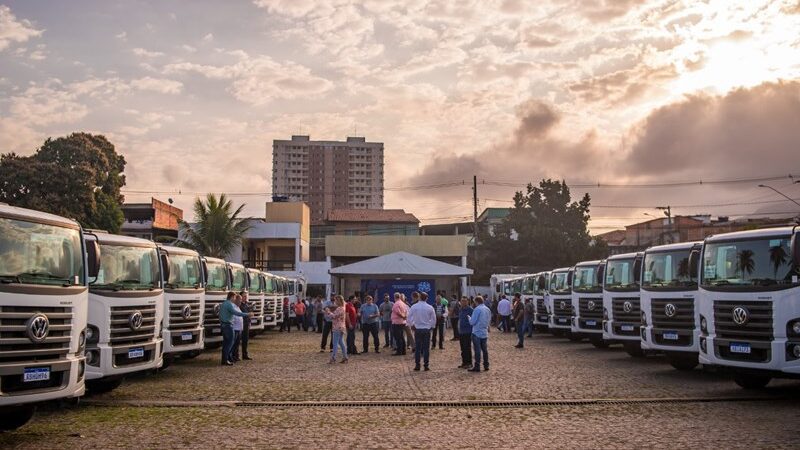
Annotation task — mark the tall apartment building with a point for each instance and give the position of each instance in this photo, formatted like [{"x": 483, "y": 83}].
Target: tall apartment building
[{"x": 329, "y": 175}]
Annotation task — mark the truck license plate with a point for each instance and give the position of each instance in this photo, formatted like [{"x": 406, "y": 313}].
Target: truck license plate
[
  {"x": 36, "y": 374},
  {"x": 738, "y": 347},
  {"x": 591, "y": 323},
  {"x": 562, "y": 320},
  {"x": 215, "y": 330},
  {"x": 134, "y": 353},
  {"x": 186, "y": 336},
  {"x": 627, "y": 328},
  {"x": 671, "y": 335},
  {"x": 253, "y": 321}
]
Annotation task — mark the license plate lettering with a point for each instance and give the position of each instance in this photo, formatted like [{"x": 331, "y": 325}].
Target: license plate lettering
[
  {"x": 135, "y": 353},
  {"x": 186, "y": 336},
  {"x": 562, "y": 320},
  {"x": 739, "y": 347},
  {"x": 627, "y": 328},
  {"x": 591, "y": 323},
  {"x": 36, "y": 374},
  {"x": 671, "y": 335},
  {"x": 215, "y": 330}
]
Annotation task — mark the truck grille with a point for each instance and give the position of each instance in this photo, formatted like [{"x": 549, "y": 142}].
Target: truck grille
[
  {"x": 679, "y": 328},
  {"x": 757, "y": 328},
  {"x": 596, "y": 312},
  {"x": 257, "y": 308},
  {"x": 176, "y": 319},
  {"x": 121, "y": 332},
  {"x": 562, "y": 307},
  {"x": 14, "y": 342},
  {"x": 620, "y": 315},
  {"x": 269, "y": 309},
  {"x": 540, "y": 309}
]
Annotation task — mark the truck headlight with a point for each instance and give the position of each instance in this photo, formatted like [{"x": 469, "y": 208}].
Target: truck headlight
[
  {"x": 794, "y": 327},
  {"x": 703, "y": 325},
  {"x": 644, "y": 319},
  {"x": 92, "y": 335},
  {"x": 605, "y": 313},
  {"x": 82, "y": 341},
  {"x": 796, "y": 350},
  {"x": 93, "y": 358},
  {"x": 703, "y": 345}
]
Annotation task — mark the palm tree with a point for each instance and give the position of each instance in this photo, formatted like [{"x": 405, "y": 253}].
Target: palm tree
[
  {"x": 778, "y": 257},
  {"x": 218, "y": 229},
  {"x": 745, "y": 263}
]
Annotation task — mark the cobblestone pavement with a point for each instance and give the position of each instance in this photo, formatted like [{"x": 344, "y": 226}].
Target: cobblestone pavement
[{"x": 290, "y": 368}]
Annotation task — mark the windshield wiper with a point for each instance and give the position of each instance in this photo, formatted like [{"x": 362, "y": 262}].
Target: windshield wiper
[
  {"x": 10, "y": 279},
  {"x": 46, "y": 276}
]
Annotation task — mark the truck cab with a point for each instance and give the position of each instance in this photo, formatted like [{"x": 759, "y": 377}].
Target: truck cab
[
  {"x": 217, "y": 281},
  {"x": 671, "y": 321},
  {"x": 542, "y": 316},
  {"x": 622, "y": 316},
  {"x": 256, "y": 294},
  {"x": 283, "y": 292},
  {"x": 43, "y": 307},
  {"x": 528, "y": 289},
  {"x": 184, "y": 301},
  {"x": 587, "y": 302},
  {"x": 560, "y": 301},
  {"x": 126, "y": 310},
  {"x": 749, "y": 301},
  {"x": 270, "y": 300}
]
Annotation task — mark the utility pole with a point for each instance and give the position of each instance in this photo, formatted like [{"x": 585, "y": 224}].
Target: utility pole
[
  {"x": 475, "y": 209},
  {"x": 668, "y": 212}
]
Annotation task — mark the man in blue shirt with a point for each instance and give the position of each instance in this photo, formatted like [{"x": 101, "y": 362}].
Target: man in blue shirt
[
  {"x": 326, "y": 326},
  {"x": 480, "y": 320},
  {"x": 421, "y": 319},
  {"x": 226, "y": 314},
  {"x": 465, "y": 333},
  {"x": 370, "y": 318}
]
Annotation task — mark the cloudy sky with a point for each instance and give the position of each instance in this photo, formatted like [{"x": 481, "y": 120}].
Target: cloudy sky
[{"x": 627, "y": 92}]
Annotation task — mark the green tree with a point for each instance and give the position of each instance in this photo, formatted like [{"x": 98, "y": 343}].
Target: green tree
[
  {"x": 78, "y": 176},
  {"x": 745, "y": 263},
  {"x": 545, "y": 229},
  {"x": 218, "y": 228}
]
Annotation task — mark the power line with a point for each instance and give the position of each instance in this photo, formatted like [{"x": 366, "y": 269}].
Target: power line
[{"x": 657, "y": 185}]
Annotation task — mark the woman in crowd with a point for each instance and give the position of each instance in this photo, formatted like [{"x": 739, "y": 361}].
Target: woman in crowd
[{"x": 337, "y": 315}]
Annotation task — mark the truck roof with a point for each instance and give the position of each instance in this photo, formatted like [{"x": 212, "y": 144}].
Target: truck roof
[
  {"x": 14, "y": 212},
  {"x": 177, "y": 250},
  {"x": 752, "y": 234},
  {"x": 213, "y": 260},
  {"x": 563, "y": 269},
  {"x": 596, "y": 262},
  {"x": 673, "y": 247},
  {"x": 118, "y": 239},
  {"x": 624, "y": 256}
]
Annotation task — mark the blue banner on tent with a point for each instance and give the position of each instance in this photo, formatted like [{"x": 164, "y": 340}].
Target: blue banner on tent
[{"x": 377, "y": 288}]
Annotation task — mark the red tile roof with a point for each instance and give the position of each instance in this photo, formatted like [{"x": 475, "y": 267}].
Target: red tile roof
[{"x": 371, "y": 215}]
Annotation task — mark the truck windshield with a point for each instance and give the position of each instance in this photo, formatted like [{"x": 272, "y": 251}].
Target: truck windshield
[
  {"x": 269, "y": 288},
  {"x": 125, "y": 268},
  {"x": 585, "y": 279},
  {"x": 255, "y": 283},
  {"x": 756, "y": 264},
  {"x": 239, "y": 280},
  {"x": 558, "y": 283},
  {"x": 537, "y": 290},
  {"x": 33, "y": 253},
  {"x": 619, "y": 275},
  {"x": 184, "y": 272},
  {"x": 529, "y": 287},
  {"x": 668, "y": 270},
  {"x": 217, "y": 277}
]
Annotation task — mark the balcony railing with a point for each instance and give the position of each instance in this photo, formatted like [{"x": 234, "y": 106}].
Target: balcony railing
[{"x": 270, "y": 265}]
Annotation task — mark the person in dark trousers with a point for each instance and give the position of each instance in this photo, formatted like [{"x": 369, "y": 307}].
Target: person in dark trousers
[
  {"x": 399, "y": 315},
  {"x": 438, "y": 331},
  {"x": 327, "y": 307},
  {"x": 318, "y": 314},
  {"x": 465, "y": 333},
  {"x": 246, "y": 307},
  {"x": 350, "y": 322},
  {"x": 518, "y": 313},
  {"x": 421, "y": 319},
  {"x": 455, "y": 307},
  {"x": 226, "y": 314},
  {"x": 480, "y": 320},
  {"x": 370, "y": 320},
  {"x": 386, "y": 321},
  {"x": 286, "y": 318},
  {"x": 529, "y": 313}
]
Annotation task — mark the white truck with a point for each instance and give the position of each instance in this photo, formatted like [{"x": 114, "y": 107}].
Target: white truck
[
  {"x": 271, "y": 300},
  {"x": 282, "y": 286},
  {"x": 622, "y": 317},
  {"x": 587, "y": 302},
  {"x": 126, "y": 310},
  {"x": 542, "y": 317},
  {"x": 184, "y": 302},
  {"x": 559, "y": 301},
  {"x": 217, "y": 280},
  {"x": 671, "y": 321},
  {"x": 499, "y": 285},
  {"x": 256, "y": 295},
  {"x": 749, "y": 301},
  {"x": 43, "y": 307}
]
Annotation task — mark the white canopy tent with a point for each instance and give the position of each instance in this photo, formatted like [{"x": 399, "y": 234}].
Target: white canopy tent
[{"x": 400, "y": 264}]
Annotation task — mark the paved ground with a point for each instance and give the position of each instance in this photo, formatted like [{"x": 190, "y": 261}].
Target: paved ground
[{"x": 289, "y": 368}]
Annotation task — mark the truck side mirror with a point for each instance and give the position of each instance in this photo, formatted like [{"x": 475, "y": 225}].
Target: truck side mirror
[
  {"x": 540, "y": 282},
  {"x": 204, "y": 270},
  {"x": 694, "y": 263},
  {"x": 165, "y": 267},
  {"x": 794, "y": 247},
  {"x": 93, "y": 258},
  {"x": 601, "y": 270},
  {"x": 637, "y": 270}
]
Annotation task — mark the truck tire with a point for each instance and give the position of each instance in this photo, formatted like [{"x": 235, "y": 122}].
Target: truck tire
[
  {"x": 14, "y": 417},
  {"x": 574, "y": 337},
  {"x": 192, "y": 354},
  {"x": 634, "y": 349},
  {"x": 750, "y": 382},
  {"x": 168, "y": 360},
  {"x": 213, "y": 345},
  {"x": 102, "y": 386},
  {"x": 599, "y": 343},
  {"x": 683, "y": 363}
]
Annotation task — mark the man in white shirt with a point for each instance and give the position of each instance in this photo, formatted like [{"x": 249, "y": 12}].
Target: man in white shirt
[
  {"x": 504, "y": 311},
  {"x": 421, "y": 319}
]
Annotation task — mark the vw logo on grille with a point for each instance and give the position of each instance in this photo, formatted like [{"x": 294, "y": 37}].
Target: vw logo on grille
[
  {"x": 186, "y": 312},
  {"x": 216, "y": 309},
  {"x": 135, "y": 320},
  {"x": 670, "y": 310},
  {"x": 740, "y": 315},
  {"x": 37, "y": 328},
  {"x": 563, "y": 304},
  {"x": 590, "y": 306},
  {"x": 627, "y": 307}
]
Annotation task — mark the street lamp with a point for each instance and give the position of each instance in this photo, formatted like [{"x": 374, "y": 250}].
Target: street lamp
[{"x": 781, "y": 193}]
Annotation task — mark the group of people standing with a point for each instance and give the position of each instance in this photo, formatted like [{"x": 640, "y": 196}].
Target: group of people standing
[{"x": 234, "y": 317}]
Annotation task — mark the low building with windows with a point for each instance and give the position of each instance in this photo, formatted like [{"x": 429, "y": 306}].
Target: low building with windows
[{"x": 155, "y": 221}]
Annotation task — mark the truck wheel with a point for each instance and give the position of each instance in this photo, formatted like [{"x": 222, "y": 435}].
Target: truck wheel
[
  {"x": 213, "y": 345},
  {"x": 599, "y": 343},
  {"x": 14, "y": 417},
  {"x": 752, "y": 381},
  {"x": 168, "y": 360},
  {"x": 190, "y": 354},
  {"x": 573, "y": 337},
  {"x": 683, "y": 363},
  {"x": 102, "y": 386},
  {"x": 634, "y": 349}
]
